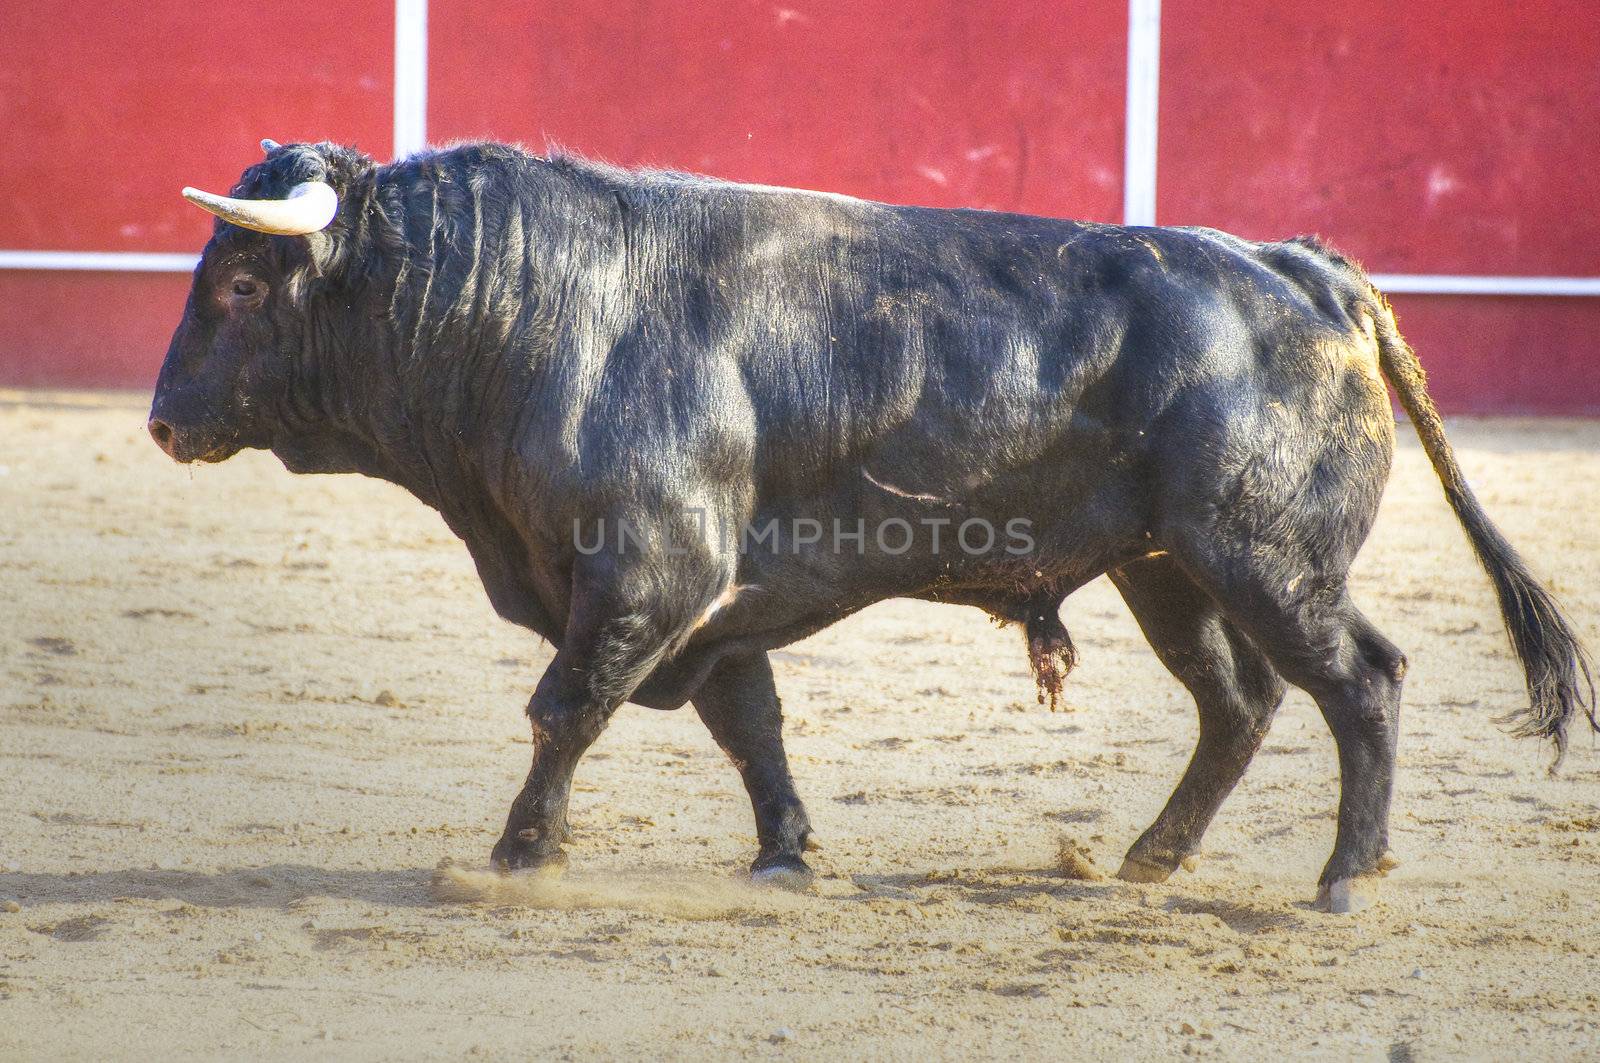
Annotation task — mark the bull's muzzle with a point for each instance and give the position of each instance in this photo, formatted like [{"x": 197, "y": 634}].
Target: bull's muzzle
[{"x": 185, "y": 445}]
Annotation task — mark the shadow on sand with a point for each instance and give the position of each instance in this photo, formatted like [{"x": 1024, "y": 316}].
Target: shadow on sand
[{"x": 273, "y": 886}]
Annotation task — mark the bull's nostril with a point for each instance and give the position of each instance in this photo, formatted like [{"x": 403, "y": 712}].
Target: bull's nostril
[{"x": 161, "y": 432}]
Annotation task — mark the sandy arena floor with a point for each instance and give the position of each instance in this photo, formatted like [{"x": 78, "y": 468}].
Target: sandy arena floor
[{"x": 244, "y": 715}]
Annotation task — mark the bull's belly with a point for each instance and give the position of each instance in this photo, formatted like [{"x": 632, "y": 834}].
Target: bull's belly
[{"x": 1009, "y": 563}]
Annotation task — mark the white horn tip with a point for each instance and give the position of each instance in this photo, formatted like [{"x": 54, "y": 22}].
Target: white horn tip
[
  {"x": 201, "y": 198},
  {"x": 309, "y": 207}
]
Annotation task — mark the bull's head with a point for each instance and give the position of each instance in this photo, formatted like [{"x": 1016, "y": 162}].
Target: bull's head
[{"x": 242, "y": 344}]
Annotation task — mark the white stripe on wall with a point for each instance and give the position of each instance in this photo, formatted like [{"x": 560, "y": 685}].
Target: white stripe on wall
[
  {"x": 1393, "y": 283},
  {"x": 410, "y": 76},
  {"x": 121, "y": 261},
  {"x": 1140, "y": 125},
  {"x": 1441, "y": 284}
]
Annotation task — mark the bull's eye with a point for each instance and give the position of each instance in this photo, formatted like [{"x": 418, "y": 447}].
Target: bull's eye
[{"x": 245, "y": 288}]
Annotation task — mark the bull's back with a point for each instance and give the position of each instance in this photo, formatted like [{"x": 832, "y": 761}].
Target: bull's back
[
  {"x": 922, "y": 337},
  {"x": 949, "y": 351}
]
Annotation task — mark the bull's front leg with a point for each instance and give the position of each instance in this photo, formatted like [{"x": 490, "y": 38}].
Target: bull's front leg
[
  {"x": 612, "y": 642},
  {"x": 739, "y": 705},
  {"x": 565, "y": 723}
]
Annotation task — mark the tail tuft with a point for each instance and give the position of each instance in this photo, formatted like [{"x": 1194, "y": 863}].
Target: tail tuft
[
  {"x": 1557, "y": 668},
  {"x": 1559, "y": 674}
]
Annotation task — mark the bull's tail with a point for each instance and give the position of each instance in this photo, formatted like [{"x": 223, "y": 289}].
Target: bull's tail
[{"x": 1554, "y": 661}]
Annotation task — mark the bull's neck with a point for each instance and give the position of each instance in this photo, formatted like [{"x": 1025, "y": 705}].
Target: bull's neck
[
  {"x": 459, "y": 333},
  {"x": 472, "y": 266}
]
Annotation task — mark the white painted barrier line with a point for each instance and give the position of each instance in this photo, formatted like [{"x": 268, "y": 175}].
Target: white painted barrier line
[
  {"x": 118, "y": 261},
  {"x": 1395, "y": 283},
  {"x": 1441, "y": 284},
  {"x": 1143, "y": 115},
  {"x": 410, "y": 77}
]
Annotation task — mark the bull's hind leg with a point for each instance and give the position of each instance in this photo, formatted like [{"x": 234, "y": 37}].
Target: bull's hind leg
[
  {"x": 740, "y": 707},
  {"x": 1319, "y": 641},
  {"x": 1235, "y": 689}
]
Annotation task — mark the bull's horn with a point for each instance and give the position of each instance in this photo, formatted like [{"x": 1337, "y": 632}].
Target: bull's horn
[
  {"x": 269, "y": 145},
  {"x": 308, "y": 208}
]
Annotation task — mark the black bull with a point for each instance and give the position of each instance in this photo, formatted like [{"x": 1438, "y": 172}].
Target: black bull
[{"x": 680, "y": 422}]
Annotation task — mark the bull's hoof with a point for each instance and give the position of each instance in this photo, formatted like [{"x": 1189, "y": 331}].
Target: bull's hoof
[
  {"x": 782, "y": 872},
  {"x": 521, "y": 855},
  {"x": 1346, "y": 896},
  {"x": 1134, "y": 869}
]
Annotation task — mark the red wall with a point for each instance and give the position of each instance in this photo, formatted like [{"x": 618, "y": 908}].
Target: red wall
[
  {"x": 109, "y": 108},
  {"x": 1458, "y": 139},
  {"x": 1013, "y": 106}
]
